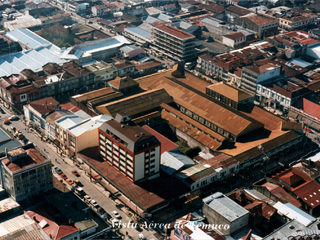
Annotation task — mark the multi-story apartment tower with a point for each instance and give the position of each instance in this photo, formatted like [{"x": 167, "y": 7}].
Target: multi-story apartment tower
[
  {"x": 174, "y": 43},
  {"x": 25, "y": 173},
  {"x": 130, "y": 149}
]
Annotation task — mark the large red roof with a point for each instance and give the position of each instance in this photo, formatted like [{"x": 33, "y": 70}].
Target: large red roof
[
  {"x": 174, "y": 31},
  {"x": 311, "y": 108},
  {"x": 166, "y": 144}
]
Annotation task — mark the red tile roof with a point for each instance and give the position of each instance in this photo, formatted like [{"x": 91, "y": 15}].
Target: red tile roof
[
  {"x": 291, "y": 178},
  {"x": 261, "y": 19},
  {"x": 54, "y": 227},
  {"x": 33, "y": 157},
  {"x": 166, "y": 144},
  {"x": 69, "y": 106},
  {"x": 45, "y": 105},
  {"x": 212, "y": 7},
  {"x": 174, "y": 31},
  {"x": 238, "y": 10}
]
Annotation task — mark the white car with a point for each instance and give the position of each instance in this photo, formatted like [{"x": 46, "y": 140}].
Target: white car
[
  {"x": 94, "y": 203},
  {"x": 13, "y": 117},
  {"x": 116, "y": 214}
]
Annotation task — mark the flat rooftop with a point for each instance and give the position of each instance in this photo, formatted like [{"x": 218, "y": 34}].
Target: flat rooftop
[
  {"x": 174, "y": 31},
  {"x": 33, "y": 157},
  {"x": 7, "y": 142}
]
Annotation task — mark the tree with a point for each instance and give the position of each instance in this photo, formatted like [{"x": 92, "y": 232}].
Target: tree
[{"x": 192, "y": 152}]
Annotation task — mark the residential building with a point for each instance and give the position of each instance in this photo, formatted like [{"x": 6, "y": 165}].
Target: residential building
[
  {"x": 124, "y": 68},
  {"x": 290, "y": 22},
  {"x": 252, "y": 75},
  {"x": 130, "y": 149},
  {"x": 103, "y": 72},
  {"x": 16, "y": 90},
  {"x": 63, "y": 19},
  {"x": 114, "y": 6},
  {"x": 233, "y": 11},
  {"x": 174, "y": 43},
  {"x": 220, "y": 208},
  {"x": 62, "y": 125},
  {"x": 263, "y": 25},
  {"x": 145, "y": 68},
  {"x": 187, "y": 8},
  {"x": 99, "y": 10},
  {"x": 25, "y": 172},
  {"x": 23, "y": 226},
  {"x": 217, "y": 10},
  {"x": 229, "y": 95},
  {"x": 169, "y": 7},
  {"x": 76, "y": 7},
  {"x": 235, "y": 40},
  {"x": 37, "y": 112},
  {"x": 57, "y": 228},
  {"x": 84, "y": 134},
  {"x": 68, "y": 78}
]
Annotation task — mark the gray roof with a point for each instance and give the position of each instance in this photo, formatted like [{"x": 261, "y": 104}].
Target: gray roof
[
  {"x": 171, "y": 162},
  {"x": 129, "y": 48},
  {"x": 138, "y": 32},
  {"x": 225, "y": 206},
  {"x": 7, "y": 142},
  {"x": 153, "y": 10},
  {"x": 146, "y": 27}
]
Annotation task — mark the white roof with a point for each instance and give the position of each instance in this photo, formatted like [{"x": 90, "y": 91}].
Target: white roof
[
  {"x": 171, "y": 162},
  {"x": 315, "y": 157},
  {"x": 225, "y": 206},
  {"x": 293, "y": 212},
  {"x": 89, "y": 124},
  {"x": 67, "y": 122},
  {"x": 14, "y": 224},
  {"x": 7, "y": 204}
]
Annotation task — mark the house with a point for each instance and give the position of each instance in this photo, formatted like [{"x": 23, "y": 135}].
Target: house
[
  {"x": 103, "y": 72},
  {"x": 235, "y": 40},
  {"x": 187, "y": 8},
  {"x": 124, "y": 68},
  {"x": 217, "y": 10},
  {"x": 37, "y": 112},
  {"x": 99, "y": 10}
]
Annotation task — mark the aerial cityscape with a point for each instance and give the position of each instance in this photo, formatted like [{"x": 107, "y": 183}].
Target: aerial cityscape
[{"x": 160, "y": 119}]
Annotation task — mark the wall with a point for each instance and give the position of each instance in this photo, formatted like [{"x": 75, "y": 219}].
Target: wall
[
  {"x": 87, "y": 139},
  {"x": 268, "y": 74},
  {"x": 228, "y": 41},
  {"x": 215, "y": 218},
  {"x": 139, "y": 166}
]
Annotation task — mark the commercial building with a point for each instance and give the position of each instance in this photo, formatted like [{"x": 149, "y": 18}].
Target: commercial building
[
  {"x": 130, "y": 149},
  {"x": 234, "y": 40},
  {"x": 84, "y": 134},
  {"x": 174, "y": 43},
  {"x": 263, "y": 25},
  {"x": 220, "y": 208},
  {"x": 102, "y": 49},
  {"x": 253, "y": 75},
  {"x": 25, "y": 172},
  {"x": 290, "y": 22},
  {"x": 103, "y": 72},
  {"x": 138, "y": 35}
]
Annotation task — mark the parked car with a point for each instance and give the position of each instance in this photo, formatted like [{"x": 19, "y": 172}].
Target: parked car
[
  {"x": 7, "y": 121},
  {"x": 94, "y": 203},
  {"x": 69, "y": 181},
  {"x": 13, "y": 117},
  {"x": 2, "y": 111},
  {"x": 64, "y": 176},
  {"x": 87, "y": 198},
  {"x": 90, "y": 22},
  {"x": 58, "y": 170},
  {"x": 78, "y": 183},
  {"x": 116, "y": 214}
]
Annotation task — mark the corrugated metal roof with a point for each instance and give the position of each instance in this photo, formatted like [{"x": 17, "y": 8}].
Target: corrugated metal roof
[
  {"x": 225, "y": 206},
  {"x": 8, "y": 204},
  {"x": 293, "y": 212},
  {"x": 171, "y": 162},
  {"x": 139, "y": 32}
]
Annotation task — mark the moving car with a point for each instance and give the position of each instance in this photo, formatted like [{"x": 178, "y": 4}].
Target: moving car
[
  {"x": 75, "y": 173},
  {"x": 116, "y": 214},
  {"x": 13, "y": 117}
]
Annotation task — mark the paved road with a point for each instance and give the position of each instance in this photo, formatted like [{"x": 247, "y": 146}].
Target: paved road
[{"x": 96, "y": 193}]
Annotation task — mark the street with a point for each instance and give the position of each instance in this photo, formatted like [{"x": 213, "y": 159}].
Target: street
[{"x": 66, "y": 165}]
